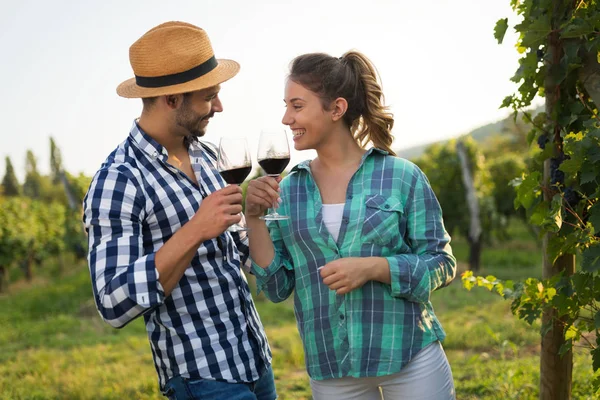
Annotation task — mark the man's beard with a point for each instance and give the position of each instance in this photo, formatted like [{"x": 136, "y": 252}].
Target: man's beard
[
  {"x": 190, "y": 121},
  {"x": 189, "y": 139}
]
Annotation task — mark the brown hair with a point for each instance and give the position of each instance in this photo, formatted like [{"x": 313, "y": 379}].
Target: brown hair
[
  {"x": 149, "y": 102},
  {"x": 354, "y": 78}
]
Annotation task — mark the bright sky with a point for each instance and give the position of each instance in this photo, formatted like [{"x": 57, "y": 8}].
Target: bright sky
[{"x": 443, "y": 72}]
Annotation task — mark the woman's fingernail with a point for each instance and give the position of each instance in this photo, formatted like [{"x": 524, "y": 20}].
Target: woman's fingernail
[{"x": 279, "y": 200}]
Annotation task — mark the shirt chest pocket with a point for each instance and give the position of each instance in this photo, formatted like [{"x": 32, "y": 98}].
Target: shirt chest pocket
[{"x": 383, "y": 218}]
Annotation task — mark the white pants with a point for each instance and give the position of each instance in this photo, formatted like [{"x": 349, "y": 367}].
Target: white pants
[{"x": 426, "y": 377}]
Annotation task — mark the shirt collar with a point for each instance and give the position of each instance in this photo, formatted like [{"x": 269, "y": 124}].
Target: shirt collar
[
  {"x": 146, "y": 143},
  {"x": 305, "y": 165}
]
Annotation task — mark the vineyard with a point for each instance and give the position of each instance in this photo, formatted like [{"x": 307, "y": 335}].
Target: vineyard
[
  {"x": 40, "y": 219},
  {"x": 522, "y": 204}
]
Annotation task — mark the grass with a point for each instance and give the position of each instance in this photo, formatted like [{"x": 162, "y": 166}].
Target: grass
[{"x": 53, "y": 344}]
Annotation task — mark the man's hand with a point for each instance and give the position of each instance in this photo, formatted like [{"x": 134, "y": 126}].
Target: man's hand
[
  {"x": 347, "y": 274},
  {"x": 218, "y": 211},
  {"x": 261, "y": 194}
]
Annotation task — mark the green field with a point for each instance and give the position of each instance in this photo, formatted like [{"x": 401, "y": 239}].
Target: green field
[{"x": 53, "y": 345}]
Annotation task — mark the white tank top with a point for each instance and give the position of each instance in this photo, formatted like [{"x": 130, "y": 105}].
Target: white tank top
[{"x": 332, "y": 218}]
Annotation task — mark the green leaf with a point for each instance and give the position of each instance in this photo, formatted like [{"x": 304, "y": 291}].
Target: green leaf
[
  {"x": 529, "y": 190},
  {"x": 468, "y": 280},
  {"x": 565, "y": 347},
  {"x": 597, "y": 320},
  {"x": 591, "y": 258},
  {"x": 532, "y": 134},
  {"x": 594, "y": 218},
  {"x": 536, "y": 32},
  {"x": 576, "y": 28},
  {"x": 507, "y": 101},
  {"x": 596, "y": 358},
  {"x": 554, "y": 248},
  {"x": 500, "y": 29},
  {"x": 593, "y": 154},
  {"x": 588, "y": 174},
  {"x": 572, "y": 333},
  {"x": 556, "y": 214},
  {"x": 538, "y": 216},
  {"x": 576, "y": 108},
  {"x": 593, "y": 45},
  {"x": 571, "y": 166}
]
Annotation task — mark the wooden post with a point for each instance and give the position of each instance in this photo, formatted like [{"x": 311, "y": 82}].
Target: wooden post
[
  {"x": 555, "y": 371},
  {"x": 473, "y": 205},
  {"x": 3, "y": 274}
]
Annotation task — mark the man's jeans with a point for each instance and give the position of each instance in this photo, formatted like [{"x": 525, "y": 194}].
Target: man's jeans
[{"x": 179, "y": 388}]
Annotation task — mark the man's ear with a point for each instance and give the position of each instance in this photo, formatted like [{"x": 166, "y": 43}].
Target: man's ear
[
  {"x": 172, "y": 101},
  {"x": 339, "y": 108}
]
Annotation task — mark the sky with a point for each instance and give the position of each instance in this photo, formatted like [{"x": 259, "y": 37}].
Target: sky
[{"x": 442, "y": 71}]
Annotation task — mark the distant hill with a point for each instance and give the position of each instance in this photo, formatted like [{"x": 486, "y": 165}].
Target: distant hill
[{"x": 481, "y": 134}]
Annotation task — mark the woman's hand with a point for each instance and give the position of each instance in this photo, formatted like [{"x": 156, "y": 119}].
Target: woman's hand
[
  {"x": 261, "y": 194},
  {"x": 347, "y": 274}
]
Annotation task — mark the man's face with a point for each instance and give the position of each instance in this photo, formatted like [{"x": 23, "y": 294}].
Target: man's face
[{"x": 196, "y": 110}]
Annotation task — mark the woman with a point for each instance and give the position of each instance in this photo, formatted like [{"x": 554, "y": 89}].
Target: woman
[{"x": 365, "y": 244}]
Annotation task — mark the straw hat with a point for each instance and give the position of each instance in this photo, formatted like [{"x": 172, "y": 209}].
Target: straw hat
[{"x": 171, "y": 58}]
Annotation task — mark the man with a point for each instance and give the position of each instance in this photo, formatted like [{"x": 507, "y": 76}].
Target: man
[{"x": 156, "y": 214}]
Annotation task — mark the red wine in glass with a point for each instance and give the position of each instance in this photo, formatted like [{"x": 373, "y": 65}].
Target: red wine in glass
[
  {"x": 236, "y": 176},
  {"x": 234, "y": 164},
  {"x": 274, "y": 166},
  {"x": 273, "y": 157}
]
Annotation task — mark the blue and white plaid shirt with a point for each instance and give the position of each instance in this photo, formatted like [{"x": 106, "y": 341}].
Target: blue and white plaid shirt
[{"x": 208, "y": 327}]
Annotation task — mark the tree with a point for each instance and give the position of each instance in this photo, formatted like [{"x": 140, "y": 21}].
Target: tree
[
  {"x": 442, "y": 165},
  {"x": 10, "y": 184},
  {"x": 503, "y": 170},
  {"x": 560, "y": 43},
  {"x": 55, "y": 162},
  {"x": 79, "y": 185},
  {"x": 33, "y": 186},
  {"x": 58, "y": 175}
]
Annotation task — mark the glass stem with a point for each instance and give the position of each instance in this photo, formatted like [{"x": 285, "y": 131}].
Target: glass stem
[
  {"x": 274, "y": 209},
  {"x": 275, "y": 202}
]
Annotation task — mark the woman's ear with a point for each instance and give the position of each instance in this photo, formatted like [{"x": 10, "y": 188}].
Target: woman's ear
[{"x": 340, "y": 105}]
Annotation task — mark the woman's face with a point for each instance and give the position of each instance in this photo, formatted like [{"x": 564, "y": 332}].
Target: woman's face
[{"x": 304, "y": 114}]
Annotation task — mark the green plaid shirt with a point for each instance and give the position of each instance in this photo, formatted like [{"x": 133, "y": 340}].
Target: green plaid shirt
[{"x": 390, "y": 212}]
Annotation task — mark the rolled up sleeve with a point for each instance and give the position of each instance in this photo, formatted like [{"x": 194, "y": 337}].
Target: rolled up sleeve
[
  {"x": 431, "y": 264},
  {"x": 277, "y": 281},
  {"x": 125, "y": 281}
]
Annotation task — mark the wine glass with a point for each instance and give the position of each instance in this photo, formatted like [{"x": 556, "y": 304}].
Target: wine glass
[
  {"x": 273, "y": 157},
  {"x": 234, "y": 164}
]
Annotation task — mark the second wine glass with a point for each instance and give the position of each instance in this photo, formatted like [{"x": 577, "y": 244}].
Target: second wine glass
[
  {"x": 273, "y": 157},
  {"x": 234, "y": 164}
]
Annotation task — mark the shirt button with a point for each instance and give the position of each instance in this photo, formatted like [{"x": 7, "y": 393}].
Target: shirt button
[
  {"x": 345, "y": 220},
  {"x": 386, "y": 206},
  {"x": 349, "y": 197},
  {"x": 342, "y": 316}
]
